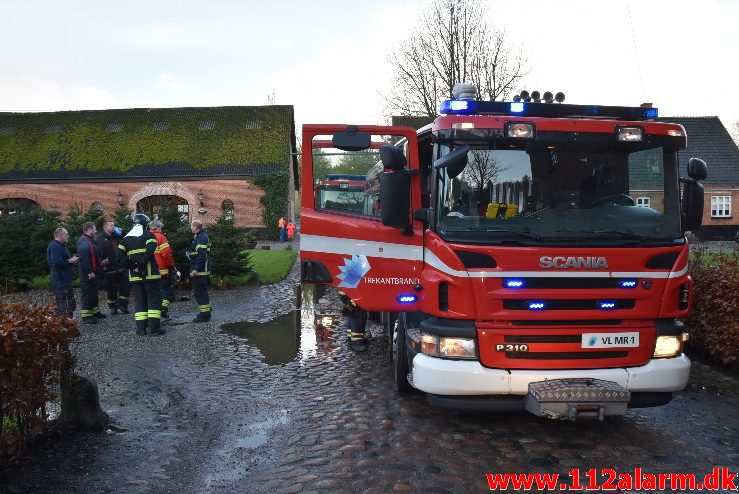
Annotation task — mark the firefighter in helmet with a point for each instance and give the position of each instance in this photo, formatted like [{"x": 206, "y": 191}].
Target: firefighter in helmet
[
  {"x": 165, "y": 261},
  {"x": 137, "y": 250}
]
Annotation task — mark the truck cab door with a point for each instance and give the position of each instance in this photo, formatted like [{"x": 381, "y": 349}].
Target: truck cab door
[{"x": 343, "y": 241}]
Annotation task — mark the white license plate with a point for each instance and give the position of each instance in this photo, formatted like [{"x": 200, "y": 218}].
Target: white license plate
[{"x": 610, "y": 340}]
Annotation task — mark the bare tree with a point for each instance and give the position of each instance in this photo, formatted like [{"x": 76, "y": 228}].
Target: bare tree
[
  {"x": 734, "y": 131},
  {"x": 452, "y": 42},
  {"x": 481, "y": 169}
]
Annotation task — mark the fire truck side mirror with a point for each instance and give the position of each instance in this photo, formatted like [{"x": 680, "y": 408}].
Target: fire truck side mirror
[
  {"x": 395, "y": 198},
  {"x": 692, "y": 200},
  {"x": 454, "y": 162},
  {"x": 697, "y": 169},
  {"x": 351, "y": 140}
]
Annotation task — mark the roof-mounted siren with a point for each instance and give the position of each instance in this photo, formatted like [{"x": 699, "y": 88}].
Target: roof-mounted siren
[
  {"x": 462, "y": 91},
  {"x": 559, "y": 97},
  {"x": 536, "y": 97},
  {"x": 548, "y": 97}
]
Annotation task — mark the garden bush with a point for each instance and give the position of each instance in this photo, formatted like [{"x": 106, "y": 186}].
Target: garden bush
[
  {"x": 714, "y": 320},
  {"x": 33, "y": 353}
]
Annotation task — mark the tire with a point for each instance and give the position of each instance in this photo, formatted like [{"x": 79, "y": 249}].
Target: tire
[{"x": 400, "y": 356}]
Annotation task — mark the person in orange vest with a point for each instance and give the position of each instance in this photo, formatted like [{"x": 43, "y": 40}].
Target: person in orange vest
[
  {"x": 165, "y": 262},
  {"x": 290, "y": 230},
  {"x": 281, "y": 226}
]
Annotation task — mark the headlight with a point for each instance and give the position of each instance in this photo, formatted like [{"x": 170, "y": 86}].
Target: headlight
[
  {"x": 448, "y": 347},
  {"x": 669, "y": 346}
]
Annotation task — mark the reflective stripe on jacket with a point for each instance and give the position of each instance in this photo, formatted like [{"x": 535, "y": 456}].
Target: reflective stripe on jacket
[
  {"x": 163, "y": 253},
  {"x": 138, "y": 252},
  {"x": 200, "y": 253}
]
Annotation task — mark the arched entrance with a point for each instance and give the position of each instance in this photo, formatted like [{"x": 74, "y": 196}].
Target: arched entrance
[
  {"x": 14, "y": 205},
  {"x": 153, "y": 204}
]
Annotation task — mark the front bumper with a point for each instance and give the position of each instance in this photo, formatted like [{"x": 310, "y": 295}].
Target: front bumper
[{"x": 469, "y": 378}]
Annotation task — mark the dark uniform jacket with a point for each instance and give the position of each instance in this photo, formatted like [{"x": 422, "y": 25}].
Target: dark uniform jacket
[
  {"x": 108, "y": 245},
  {"x": 89, "y": 256},
  {"x": 57, "y": 256},
  {"x": 199, "y": 254},
  {"x": 137, "y": 254}
]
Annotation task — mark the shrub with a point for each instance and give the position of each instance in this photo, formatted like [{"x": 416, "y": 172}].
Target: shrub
[
  {"x": 275, "y": 197},
  {"x": 714, "y": 320},
  {"x": 227, "y": 242},
  {"x": 33, "y": 352},
  {"x": 23, "y": 242}
]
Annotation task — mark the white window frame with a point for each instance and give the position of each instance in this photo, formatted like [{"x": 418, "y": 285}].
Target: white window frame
[
  {"x": 644, "y": 202},
  {"x": 720, "y": 206}
]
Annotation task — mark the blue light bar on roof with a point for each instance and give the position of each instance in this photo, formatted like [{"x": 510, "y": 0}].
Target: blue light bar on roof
[{"x": 546, "y": 110}]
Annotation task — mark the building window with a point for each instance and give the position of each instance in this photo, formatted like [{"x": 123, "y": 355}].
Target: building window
[
  {"x": 643, "y": 202},
  {"x": 161, "y": 125},
  {"x": 207, "y": 125},
  {"x": 184, "y": 210},
  {"x": 114, "y": 127},
  {"x": 7, "y": 131},
  {"x": 720, "y": 206},
  {"x": 253, "y": 123},
  {"x": 227, "y": 206},
  {"x": 53, "y": 129}
]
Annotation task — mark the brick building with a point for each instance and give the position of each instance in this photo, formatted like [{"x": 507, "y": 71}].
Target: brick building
[{"x": 204, "y": 160}]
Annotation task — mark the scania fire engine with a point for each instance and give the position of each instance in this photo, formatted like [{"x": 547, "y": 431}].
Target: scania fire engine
[{"x": 524, "y": 255}]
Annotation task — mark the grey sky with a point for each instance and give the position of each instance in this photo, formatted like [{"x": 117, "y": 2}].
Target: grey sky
[{"x": 329, "y": 58}]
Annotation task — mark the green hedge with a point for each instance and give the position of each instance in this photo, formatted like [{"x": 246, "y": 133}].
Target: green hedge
[{"x": 274, "y": 200}]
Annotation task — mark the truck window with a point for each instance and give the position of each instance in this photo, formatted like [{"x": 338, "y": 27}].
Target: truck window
[
  {"x": 347, "y": 182},
  {"x": 570, "y": 192}
]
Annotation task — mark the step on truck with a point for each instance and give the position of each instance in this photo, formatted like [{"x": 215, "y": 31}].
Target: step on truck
[{"x": 525, "y": 255}]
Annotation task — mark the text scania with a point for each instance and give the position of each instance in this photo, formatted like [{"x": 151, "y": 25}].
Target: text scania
[
  {"x": 392, "y": 281},
  {"x": 561, "y": 262}
]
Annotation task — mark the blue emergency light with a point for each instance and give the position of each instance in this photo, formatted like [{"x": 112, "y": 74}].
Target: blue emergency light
[
  {"x": 547, "y": 110},
  {"x": 513, "y": 283},
  {"x": 627, "y": 283},
  {"x": 407, "y": 298},
  {"x": 606, "y": 304},
  {"x": 537, "y": 305}
]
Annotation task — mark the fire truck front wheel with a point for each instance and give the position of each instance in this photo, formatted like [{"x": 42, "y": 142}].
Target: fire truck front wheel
[{"x": 400, "y": 355}]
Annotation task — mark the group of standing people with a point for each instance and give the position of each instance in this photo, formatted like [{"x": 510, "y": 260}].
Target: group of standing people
[
  {"x": 287, "y": 229},
  {"x": 141, "y": 259}
]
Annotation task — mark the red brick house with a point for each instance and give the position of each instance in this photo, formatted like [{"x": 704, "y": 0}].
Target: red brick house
[{"x": 204, "y": 160}]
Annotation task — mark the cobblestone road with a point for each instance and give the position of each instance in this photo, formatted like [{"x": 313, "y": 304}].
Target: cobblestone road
[{"x": 286, "y": 408}]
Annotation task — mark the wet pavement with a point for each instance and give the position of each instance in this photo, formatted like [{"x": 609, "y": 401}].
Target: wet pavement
[{"x": 267, "y": 398}]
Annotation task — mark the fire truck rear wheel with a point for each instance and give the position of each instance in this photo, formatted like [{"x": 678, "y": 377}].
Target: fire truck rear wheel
[{"x": 400, "y": 356}]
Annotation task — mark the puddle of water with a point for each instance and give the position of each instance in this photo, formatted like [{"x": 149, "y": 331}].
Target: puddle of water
[
  {"x": 295, "y": 336},
  {"x": 251, "y": 441}
]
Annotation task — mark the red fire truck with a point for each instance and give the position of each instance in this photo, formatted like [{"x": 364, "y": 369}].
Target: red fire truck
[
  {"x": 341, "y": 192},
  {"x": 527, "y": 255}
]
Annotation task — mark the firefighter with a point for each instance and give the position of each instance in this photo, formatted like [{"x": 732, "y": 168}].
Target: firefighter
[
  {"x": 356, "y": 324},
  {"x": 91, "y": 265},
  {"x": 136, "y": 252},
  {"x": 199, "y": 256},
  {"x": 115, "y": 277},
  {"x": 165, "y": 261}
]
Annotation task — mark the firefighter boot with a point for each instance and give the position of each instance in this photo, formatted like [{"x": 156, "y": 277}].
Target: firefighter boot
[
  {"x": 141, "y": 327},
  {"x": 155, "y": 327},
  {"x": 90, "y": 320},
  {"x": 165, "y": 313},
  {"x": 202, "y": 317},
  {"x": 355, "y": 326},
  {"x": 123, "y": 308}
]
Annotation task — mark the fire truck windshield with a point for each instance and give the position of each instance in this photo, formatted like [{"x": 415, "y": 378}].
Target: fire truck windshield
[{"x": 569, "y": 193}]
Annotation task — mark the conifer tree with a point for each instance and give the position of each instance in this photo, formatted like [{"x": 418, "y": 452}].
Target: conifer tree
[{"x": 227, "y": 249}]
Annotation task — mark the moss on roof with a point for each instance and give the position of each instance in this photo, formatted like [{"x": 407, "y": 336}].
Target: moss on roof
[{"x": 111, "y": 143}]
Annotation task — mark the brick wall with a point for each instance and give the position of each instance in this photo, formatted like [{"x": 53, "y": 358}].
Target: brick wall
[{"x": 244, "y": 194}]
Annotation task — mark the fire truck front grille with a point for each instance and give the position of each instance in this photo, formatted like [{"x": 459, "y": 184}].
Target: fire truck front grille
[
  {"x": 569, "y": 283},
  {"x": 541, "y": 305},
  {"x": 565, "y": 355},
  {"x": 580, "y": 322},
  {"x": 555, "y": 338}
]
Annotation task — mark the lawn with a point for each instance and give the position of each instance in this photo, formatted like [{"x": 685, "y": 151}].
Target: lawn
[{"x": 271, "y": 266}]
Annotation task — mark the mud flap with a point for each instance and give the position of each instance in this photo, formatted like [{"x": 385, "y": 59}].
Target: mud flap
[{"x": 572, "y": 399}]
